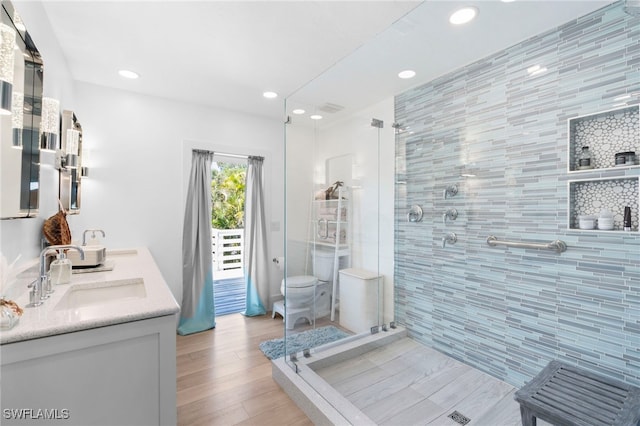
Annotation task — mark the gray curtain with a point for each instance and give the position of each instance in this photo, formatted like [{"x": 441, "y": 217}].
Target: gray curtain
[
  {"x": 256, "y": 271},
  {"x": 197, "y": 313}
]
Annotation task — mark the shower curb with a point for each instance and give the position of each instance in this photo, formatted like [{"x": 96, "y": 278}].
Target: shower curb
[{"x": 317, "y": 398}]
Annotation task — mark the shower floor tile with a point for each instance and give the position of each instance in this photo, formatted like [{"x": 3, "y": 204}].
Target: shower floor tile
[{"x": 407, "y": 383}]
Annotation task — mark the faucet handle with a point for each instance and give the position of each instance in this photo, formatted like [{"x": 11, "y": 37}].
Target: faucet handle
[{"x": 35, "y": 295}]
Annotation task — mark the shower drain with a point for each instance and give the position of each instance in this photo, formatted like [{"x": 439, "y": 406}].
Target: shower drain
[{"x": 459, "y": 418}]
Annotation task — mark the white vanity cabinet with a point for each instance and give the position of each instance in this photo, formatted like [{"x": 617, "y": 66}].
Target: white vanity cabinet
[
  {"x": 123, "y": 374},
  {"x": 85, "y": 358}
]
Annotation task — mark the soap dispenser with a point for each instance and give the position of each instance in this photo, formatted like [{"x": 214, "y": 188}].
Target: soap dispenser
[{"x": 60, "y": 271}]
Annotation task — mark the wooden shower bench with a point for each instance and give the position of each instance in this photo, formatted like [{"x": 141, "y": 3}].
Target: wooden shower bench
[{"x": 562, "y": 394}]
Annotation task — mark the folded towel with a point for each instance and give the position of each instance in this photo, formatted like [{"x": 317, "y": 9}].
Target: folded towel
[{"x": 331, "y": 213}]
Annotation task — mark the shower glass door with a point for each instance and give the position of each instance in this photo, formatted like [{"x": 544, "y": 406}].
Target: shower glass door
[{"x": 335, "y": 227}]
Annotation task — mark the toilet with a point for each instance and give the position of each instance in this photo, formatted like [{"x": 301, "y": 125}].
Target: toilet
[
  {"x": 300, "y": 290},
  {"x": 308, "y": 296}
]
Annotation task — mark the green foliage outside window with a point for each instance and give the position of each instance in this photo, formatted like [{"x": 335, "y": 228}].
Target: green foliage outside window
[{"x": 227, "y": 195}]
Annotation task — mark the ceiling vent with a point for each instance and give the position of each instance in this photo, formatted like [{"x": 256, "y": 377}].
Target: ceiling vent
[{"x": 331, "y": 108}]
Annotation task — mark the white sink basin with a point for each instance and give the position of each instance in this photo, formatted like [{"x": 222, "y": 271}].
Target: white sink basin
[{"x": 92, "y": 294}]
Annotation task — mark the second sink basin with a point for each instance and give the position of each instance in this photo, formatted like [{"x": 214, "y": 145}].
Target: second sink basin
[{"x": 91, "y": 294}]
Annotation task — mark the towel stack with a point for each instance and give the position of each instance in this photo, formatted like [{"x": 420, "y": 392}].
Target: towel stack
[{"x": 331, "y": 213}]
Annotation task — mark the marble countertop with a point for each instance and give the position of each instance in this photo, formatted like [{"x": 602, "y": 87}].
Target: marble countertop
[{"x": 55, "y": 317}]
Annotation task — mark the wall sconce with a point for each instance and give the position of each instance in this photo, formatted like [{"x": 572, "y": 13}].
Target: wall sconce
[
  {"x": 86, "y": 159},
  {"x": 7, "y": 62},
  {"x": 71, "y": 149},
  {"x": 50, "y": 124},
  {"x": 17, "y": 119}
]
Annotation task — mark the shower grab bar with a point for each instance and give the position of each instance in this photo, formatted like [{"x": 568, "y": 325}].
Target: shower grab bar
[{"x": 557, "y": 245}]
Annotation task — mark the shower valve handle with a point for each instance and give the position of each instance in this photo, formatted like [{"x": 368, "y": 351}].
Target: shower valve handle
[
  {"x": 451, "y": 214},
  {"x": 450, "y": 191},
  {"x": 450, "y": 238}
]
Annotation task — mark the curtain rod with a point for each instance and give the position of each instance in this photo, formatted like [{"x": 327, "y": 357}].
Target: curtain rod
[
  {"x": 220, "y": 154},
  {"x": 202, "y": 151}
]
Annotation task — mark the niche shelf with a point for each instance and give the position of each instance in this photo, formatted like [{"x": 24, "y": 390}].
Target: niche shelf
[
  {"x": 589, "y": 197},
  {"x": 605, "y": 133}
]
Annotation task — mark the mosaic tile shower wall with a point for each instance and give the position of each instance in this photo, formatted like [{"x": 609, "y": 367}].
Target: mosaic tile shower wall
[{"x": 501, "y": 136}]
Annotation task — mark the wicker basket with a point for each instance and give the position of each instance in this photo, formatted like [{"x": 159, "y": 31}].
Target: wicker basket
[{"x": 56, "y": 229}]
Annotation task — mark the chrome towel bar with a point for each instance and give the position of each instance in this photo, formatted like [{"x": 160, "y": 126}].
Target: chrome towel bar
[{"x": 557, "y": 245}]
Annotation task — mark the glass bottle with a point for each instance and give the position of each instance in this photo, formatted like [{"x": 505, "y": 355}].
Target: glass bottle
[{"x": 584, "y": 159}]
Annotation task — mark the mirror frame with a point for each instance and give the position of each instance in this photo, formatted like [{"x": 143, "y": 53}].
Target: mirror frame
[{"x": 22, "y": 169}]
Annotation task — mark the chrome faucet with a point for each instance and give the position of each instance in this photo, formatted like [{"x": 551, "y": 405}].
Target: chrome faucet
[
  {"x": 41, "y": 287},
  {"x": 93, "y": 235},
  {"x": 450, "y": 238}
]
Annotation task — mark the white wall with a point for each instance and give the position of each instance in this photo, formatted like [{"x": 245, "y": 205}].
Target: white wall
[
  {"x": 139, "y": 163},
  {"x": 301, "y": 157},
  {"x": 139, "y": 159},
  {"x": 21, "y": 237}
]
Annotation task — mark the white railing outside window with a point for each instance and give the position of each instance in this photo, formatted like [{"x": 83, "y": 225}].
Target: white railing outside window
[{"x": 227, "y": 246}]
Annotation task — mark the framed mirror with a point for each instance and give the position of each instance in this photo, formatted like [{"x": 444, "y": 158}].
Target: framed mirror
[{"x": 21, "y": 84}]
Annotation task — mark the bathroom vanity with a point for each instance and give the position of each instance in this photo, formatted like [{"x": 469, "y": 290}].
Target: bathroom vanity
[{"x": 100, "y": 350}]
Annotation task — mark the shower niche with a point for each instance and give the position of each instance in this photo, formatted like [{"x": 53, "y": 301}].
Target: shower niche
[
  {"x": 590, "y": 196},
  {"x": 606, "y": 134}
]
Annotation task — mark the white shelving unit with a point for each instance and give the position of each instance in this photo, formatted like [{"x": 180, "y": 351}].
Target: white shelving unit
[{"x": 330, "y": 224}]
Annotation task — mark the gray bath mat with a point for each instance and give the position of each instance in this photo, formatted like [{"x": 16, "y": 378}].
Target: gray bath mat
[{"x": 297, "y": 342}]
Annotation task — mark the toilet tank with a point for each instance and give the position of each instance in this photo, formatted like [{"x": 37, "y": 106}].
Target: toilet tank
[
  {"x": 360, "y": 299},
  {"x": 323, "y": 265}
]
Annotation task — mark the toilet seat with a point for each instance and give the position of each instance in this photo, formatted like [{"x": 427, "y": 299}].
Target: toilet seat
[{"x": 301, "y": 281}]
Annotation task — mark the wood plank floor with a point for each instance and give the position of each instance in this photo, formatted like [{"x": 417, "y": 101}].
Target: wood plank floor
[
  {"x": 409, "y": 384},
  {"x": 224, "y": 379}
]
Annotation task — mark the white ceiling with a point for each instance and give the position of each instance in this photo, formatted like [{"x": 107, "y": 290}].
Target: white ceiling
[{"x": 226, "y": 53}]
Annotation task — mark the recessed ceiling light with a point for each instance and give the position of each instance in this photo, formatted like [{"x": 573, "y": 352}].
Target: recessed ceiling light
[
  {"x": 407, "y": 74},
  {"x": 508, "y": 1},
  {"x": 128, "y": 74},
  {"x": 298, "y": 111},
  {"x": 315, "y": 117},
  {"x": 464, "y": 15},
  {"x": 622, "y": 98},
  {"x": 270, "y": 95}
]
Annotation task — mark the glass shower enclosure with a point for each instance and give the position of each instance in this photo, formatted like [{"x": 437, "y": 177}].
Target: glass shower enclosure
[
  {"x": 338, "y": 284},
  {"x": 338, "y": 257}
]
